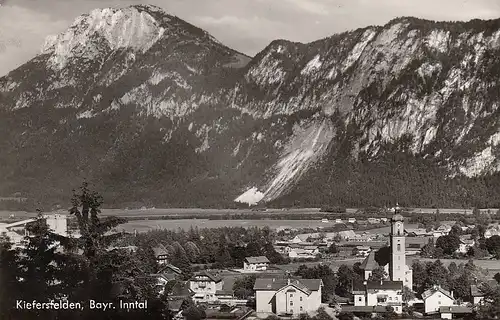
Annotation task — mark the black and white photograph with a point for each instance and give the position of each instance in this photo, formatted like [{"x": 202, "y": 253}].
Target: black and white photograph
[{"x": 249, "y": 159}]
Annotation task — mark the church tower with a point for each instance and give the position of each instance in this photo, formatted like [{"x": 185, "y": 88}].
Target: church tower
[{"x": 397, "y": 266}]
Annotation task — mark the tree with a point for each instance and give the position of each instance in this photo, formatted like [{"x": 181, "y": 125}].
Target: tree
[
  {"x": 428, "y": 251},
  {"x": 323, "y": 272},
  {"x": 383, "y": 256},
  {"x": 449, "y": 243},
  {"x": 497, "y": 277},
  {"x": 493, "y": 245},
  {"x": 346, "y": 276},
  {"x": 378, "y": 274},
  {"x": 243, "y": 287},
  {"x": 333, "y": 248},
  {"x": 408, "y": 294},
  {"x": 490, "y": 309}
]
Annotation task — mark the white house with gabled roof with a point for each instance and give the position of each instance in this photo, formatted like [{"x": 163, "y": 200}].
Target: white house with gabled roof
[
  {"x": 287, "y": 296},
  {"x": 437, "y": 297},
  {"x": 255, "y": 264}
]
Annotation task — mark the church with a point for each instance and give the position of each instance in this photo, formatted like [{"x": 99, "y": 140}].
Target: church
[{"x": 386, "y": 292}]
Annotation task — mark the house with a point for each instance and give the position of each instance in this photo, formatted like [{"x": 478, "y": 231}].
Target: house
[
  {"x": 373, "y": 220},
  {"x": 417, "y": 232},
  {"x": 477, "y": 291},
  {"x": 379, "y": 293},
  {"x": 304, "y": 237},
  {"x": 347, "y": 234},
  {"x": 252, "y": 264},
  {"x": 351, "y": 220},
  {"x": 305, "y": 252},
  {"x": 167, "y": 273},
  {"x": 178, "y": 293},
  {"x": 287, "y": 296},
  {"x": 368, "y": 265},
  {"x": 448, "y": 312},
  {"x": 442, "y": 230},
  {"x": 338, "y": 221},
  {"x": 363, "y": 251},
  {"x": 161, "y": 254},
  {"x": 435, "y": 298},
  {"x": 465, "y": 244},
  {"x": 205, "y": 285},
  {"x": 491, "y": 232}
]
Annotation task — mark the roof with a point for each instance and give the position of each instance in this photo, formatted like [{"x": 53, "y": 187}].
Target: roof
[
  {"x": 224, "y": 293},
  {"x": 370, "y": 309},
  {"x": 160, "y": 250},
  {"x": 397, "y": 217},
  {"x": 477, "y": 290},
  {"x": 435, "y": 289},
  {"x": 369, "y": 263},
  {"x": 260, "y": 259},
  {"x": 207, "y": 274},
  {"x": 310, "y": 247},
  {"x": 274, "y": 284},
  {"x": 359, "y": 286},
  {"x": 180, "y": 289},
  {"x": 169, "y": 268},
  {"x": 455, "y": 309}
]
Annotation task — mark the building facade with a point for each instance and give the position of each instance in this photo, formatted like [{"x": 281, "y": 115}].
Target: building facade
[
  {"x": 205, "y": 286},
  {"x": 287, "y": 296},
  {"x": 436, "y": 298},
  {"x": 255, "y": 264}
]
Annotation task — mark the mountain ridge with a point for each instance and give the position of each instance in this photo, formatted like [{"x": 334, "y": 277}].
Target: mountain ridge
[{"x": 189, "y": 121}]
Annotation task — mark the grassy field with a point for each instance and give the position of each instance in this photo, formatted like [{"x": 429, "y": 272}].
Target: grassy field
[
  {"x": 201, "y": 212},
  {"x": 146, "y": 225}
]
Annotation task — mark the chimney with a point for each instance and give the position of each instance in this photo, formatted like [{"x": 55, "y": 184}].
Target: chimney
[
  {"x": 273, "y": 279},
  {"x": 288, "y": 281},
  {"x": 381, "y": 282},
  {"x": 451, "y": 293},
  {"x": 449, "y": 308}
]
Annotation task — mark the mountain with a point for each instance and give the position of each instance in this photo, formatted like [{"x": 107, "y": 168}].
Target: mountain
[{"x": 155, "y": 111}]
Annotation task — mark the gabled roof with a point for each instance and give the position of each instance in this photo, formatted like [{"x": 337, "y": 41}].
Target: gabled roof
[
  {"x": 274, "y": 284},
  {"x": 210, "y": 276},
  {"x": 169, "y": 268},
  {"x": 435, "y": 289},
  {"x": 260, "y": 259},
  {"x": 477, "y": 290},
  {"x": 160, "y": 250},
  {"x": 180, "y": 289},
  {"x": 369, "y": 264}
]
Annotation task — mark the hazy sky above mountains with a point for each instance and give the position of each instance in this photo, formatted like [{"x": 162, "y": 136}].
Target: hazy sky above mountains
[{"x": 245, "y": 25}]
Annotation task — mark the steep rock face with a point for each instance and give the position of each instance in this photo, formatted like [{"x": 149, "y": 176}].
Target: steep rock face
[{"x": 153, "y": 109}]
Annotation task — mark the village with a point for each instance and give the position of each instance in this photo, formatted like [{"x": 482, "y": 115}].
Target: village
[{"x": 259, "y": 289}]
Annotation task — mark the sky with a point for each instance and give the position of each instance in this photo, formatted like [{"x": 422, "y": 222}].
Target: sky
[{"x": 245, "y": 25}]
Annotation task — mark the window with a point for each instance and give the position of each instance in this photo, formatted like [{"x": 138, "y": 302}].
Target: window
[
  {"x": 399, "y": 267},
  {"x": 396, "y": 298},
  {"x": 439, "y": 302},
  {"x": 399, "y": 247},
  {"x": 300, "y": 298},
  {"x": 390, "y": 298},
  {"x": 301, "y": 309},
  {"x": 359, "y": 299},
  {"x": 291, "y": 295},
  {"x": 291, "y": 303},
  {"x": 399, "y": 257}
]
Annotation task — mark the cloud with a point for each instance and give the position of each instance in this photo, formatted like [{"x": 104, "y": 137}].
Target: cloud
[{"x": 22, "y": 33}]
